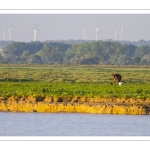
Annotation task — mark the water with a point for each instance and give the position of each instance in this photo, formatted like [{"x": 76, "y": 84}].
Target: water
[{"x": 73, "y": 124}]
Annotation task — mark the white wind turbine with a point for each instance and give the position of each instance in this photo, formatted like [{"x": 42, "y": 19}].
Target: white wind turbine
[
  {"x": 121, "y": 33},
  {"x": 10, "y": 33},
  {"x": 97, "y": 33},
  {"x": 35, "y": 30},
  {"x": 85, "y": 28},
  {"x": 115, "y": 34}
]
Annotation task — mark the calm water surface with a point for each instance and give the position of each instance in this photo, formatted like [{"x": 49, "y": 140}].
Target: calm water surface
[{"x": 73, "y": 124}]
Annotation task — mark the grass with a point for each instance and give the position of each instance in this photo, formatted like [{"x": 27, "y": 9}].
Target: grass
[{"x": 71, "y": 81}]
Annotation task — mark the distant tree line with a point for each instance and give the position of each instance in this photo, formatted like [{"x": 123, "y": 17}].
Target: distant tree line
[{"x": 100, "y": 52}]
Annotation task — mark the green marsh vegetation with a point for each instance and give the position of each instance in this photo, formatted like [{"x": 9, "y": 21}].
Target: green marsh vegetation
[{"x": 74, "y": 81}]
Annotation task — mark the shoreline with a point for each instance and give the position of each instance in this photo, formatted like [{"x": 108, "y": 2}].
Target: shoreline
[{"x": 75, "y": 105}]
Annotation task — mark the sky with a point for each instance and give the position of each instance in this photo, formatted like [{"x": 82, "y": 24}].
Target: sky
[
  {"x": 67, "y": 24},
  {"x": 71, "y": 26}
]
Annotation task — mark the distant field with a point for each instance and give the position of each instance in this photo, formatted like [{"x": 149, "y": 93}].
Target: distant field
[{"x": 65, "y": 81}]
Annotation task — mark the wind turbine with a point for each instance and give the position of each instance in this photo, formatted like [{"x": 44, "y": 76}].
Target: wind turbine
[
  {"x": 97, "y": 33},
  {"x": 115, "y": 34},
  {"x": 121, "y": 33},
  {"x": 85, "y": 28},
  {"x": 10, "y": 33},
  {"x": 35, "y": 30}
]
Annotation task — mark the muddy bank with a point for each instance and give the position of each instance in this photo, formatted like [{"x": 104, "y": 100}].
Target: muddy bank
[{"x": 75, "y": 104}]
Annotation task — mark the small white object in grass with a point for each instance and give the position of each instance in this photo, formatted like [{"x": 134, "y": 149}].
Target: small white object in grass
[{"x": 120, "y": 83}]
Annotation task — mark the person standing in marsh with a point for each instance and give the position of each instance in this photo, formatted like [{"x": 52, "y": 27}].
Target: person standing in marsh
[{"x": 117, "y": 78}]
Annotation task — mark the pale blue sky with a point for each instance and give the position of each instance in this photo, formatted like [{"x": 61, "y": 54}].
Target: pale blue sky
[{"x": 71, "y": 26}]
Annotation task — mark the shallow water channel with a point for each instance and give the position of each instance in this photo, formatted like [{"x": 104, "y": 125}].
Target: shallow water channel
[{"x": 73, "y": 124}]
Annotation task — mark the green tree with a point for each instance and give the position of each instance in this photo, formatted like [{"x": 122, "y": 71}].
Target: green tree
[
  {"x": 34, "y": 59},
  {"x": 1, "y": 57},
  {"x": 141, "y": 51},
  {"x": 137, "y": 60},
  {"x": 25, "y": 55},
  {"x": 124, "y": 60},
  {"x": 17, "y": 48}
]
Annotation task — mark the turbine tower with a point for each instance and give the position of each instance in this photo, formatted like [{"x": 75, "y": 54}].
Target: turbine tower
[
  {"x": 10, "y": 33},
  {"x": 85, "y": 28},
  {"x": 121, "y": 33},
  {"x": 97, "y": 33},
  {"x": 35, "y": 30},
  {"x": 35, "y": 34},
  {"x": 115, "y": 34}
]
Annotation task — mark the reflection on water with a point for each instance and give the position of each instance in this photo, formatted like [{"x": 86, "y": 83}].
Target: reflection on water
[{"x": 73, "y": 124}]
